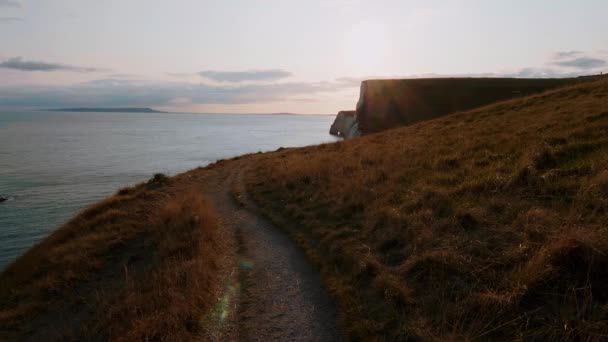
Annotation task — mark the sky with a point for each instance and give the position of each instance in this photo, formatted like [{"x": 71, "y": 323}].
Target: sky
[{"x": 271, "y": 56}]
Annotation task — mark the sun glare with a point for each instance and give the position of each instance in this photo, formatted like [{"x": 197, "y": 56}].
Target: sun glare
[{"x": 367, "y": 47}]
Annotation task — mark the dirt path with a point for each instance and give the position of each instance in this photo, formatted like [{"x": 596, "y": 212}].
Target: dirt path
[{"x": 281, "y": 295}]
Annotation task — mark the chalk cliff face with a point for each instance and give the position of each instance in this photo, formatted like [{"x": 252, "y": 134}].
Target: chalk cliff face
[
  {"x": 345, "y": 125},
  {"x": 385, "y": 104}
]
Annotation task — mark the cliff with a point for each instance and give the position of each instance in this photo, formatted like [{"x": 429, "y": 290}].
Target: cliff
[
  {"x": 345, "y": 125},
  {"x": 385, "y": 104}
]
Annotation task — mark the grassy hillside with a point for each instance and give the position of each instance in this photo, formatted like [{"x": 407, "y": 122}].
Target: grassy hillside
[
  {"x": 487, "y": 224},
  {"x": 142, "y": 264},
  {"x": 386, "y": 104}
]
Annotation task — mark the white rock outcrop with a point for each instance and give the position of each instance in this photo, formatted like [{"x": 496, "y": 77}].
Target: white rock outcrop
[{"x": 345, "y": 125}]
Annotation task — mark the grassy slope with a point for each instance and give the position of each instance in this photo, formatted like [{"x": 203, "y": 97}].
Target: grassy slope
[
  {"x": 142, "y": 264},
  {"x": 488, "y": 224}
]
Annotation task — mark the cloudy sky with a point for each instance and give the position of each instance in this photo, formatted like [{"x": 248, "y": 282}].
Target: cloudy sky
[{"x": 254, "y": 56}]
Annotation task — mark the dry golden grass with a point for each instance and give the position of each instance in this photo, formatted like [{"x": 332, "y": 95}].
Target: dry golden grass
[
  {"x": 487, "y": 224},
  {"x": 141, "y": 265}
]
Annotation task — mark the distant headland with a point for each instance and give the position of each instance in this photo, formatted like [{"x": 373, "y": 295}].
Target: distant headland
[{"x": 108, "y": 110}]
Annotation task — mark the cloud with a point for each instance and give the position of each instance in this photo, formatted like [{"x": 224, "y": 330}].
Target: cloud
[
  {"x": 242, "y": 76},
  {"x": 18, "y": 63},
  {"x": 560, "y": 64},
  {"x": 583, "y": 63},
  {"x": 10, "y": 20},
  {"x": 566, "y": 54},
  {"x": 121, "y": 92},
  {"x": 9, "y": 3},
  {"x": 180, "y": 74},
  {"x": 231, "y": 88},
  {"x": 527, "y": 72},
  {"x": 124, "y": 76},
  {"x": 579, "y": 60}
]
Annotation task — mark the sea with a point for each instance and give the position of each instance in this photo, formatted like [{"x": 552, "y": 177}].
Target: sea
[{"x": 54, "y": 164}]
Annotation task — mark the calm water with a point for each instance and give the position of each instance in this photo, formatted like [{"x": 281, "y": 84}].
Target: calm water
[{"x": 53, "y": 164}]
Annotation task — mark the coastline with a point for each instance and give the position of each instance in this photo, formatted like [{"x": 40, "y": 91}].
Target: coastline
[
  {"x": 85, "y": 158},
  {"x": 399, "y": 221}
]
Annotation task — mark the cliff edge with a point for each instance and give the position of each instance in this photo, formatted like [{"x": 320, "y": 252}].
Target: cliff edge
[{"x": 385, "y": 104}]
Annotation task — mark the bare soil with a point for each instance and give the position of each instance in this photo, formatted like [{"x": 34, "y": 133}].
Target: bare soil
[{"x": 282, "y": 297}]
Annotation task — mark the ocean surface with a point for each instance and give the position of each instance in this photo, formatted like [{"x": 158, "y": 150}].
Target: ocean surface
[{"x": 54, "y": 164}]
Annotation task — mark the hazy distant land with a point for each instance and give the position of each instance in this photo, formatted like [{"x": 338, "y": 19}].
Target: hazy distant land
[{"x": 109, "y": 110}]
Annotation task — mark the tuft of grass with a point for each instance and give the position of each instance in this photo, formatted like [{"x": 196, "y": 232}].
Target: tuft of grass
[
  {"x": 157, "y": 180},
  {"x": 142, "y": 264},
  {"x": 172, "y": 300},
  {"x": 488, "y": 224}
]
